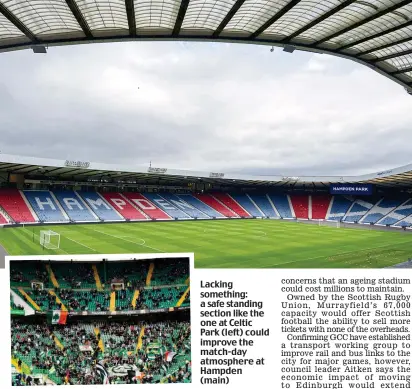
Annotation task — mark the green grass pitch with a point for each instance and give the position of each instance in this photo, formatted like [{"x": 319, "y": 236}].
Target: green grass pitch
[{"x": 226, "y": 243}]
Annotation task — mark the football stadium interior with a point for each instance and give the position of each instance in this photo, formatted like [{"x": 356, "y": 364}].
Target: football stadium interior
[
  {"x": 78, "y": 207},
  {"x": 105, "y": 321}
]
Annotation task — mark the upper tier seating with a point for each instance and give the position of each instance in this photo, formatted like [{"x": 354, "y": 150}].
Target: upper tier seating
[
  {"x": 170, "y": 271},
  {"x": 263, "y": 203},
  {"x": 247, "y": 204},
  {"x": 45, "y": 206},
  {"x": 99, "y": 206},
  {"x": 217, "y": 205},
  {"x": 131, "y": 272},
  {"x": 75, "y": 275},
  {"x": 280, "y": 201},
  {"x": 22, "y": 273},
  {"x": 13, "y": 203},
  {"x": 340, "y": 205},
  {"x": 320, "y": 206},
  {"x": 123, "y": 206},
  {"x": 201, "y": 206},
  {"x": 170, "y": 209},
  {"x": 398, "y": 214},
  {"x": 147, "y": 206},
  {"x": 300, "y": 205},
  {"x": 358, "y": 210},
  {"x": 184, "y": 206},
  {"x": 162, "y": 297},
  {"x": 74, "y": 206},
  {"x": 381, "y": 209},
  {"x": 227, "y": 200}
]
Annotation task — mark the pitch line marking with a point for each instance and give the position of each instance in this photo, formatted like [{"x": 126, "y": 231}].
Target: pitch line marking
[
  {"x": 39, "y": 237},
  {"x": 81, "y": 244},
  {"x": 127, "y": 240}
]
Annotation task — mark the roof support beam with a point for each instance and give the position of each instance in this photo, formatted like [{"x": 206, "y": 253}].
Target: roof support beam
[
  {"x": 228, "y": 17},
  {"x": 364, "y": 21},
  {"x": 319, "y": 19},
  {"x": 274, "y": 18},
  {"x": 377, "y": 35},
  {"x": 131, "y": 18},
  {"x": 386, "y": 46},
  {"x": 17, "y": 23},
  {"x": 391, "y": 56},
  {"x": 180, "y": 17},
  {"x": 400, "y": 71},
  {"x": 79, "y": 17}
]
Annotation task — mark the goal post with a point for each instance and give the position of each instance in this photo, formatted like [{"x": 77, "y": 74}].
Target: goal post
[
  {"x": 330, "y": 223},
  {"x": 50, "y": 239}
]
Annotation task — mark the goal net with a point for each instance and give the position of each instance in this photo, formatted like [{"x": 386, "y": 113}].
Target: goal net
[
  {"x": 330, "y": 223},
  {"x": 50, "y": 239}
]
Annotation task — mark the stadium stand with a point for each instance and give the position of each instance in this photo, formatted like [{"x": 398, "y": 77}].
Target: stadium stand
[
  {"x": 380, "y": 210},
  {"x": 398, "y": 214},
  {"x": 123, "y": 206},
  {"x": 169, "y": 208},
  {"x": 300, "y": 204},
  {"x": 227, "y": 200},
  {"x": 201, "y": 206},
  {"x": 99, "y": 206},
  {"x": 246, "y": 203},
  {"x": 3, "y": 220},
  {"x": 74, "y": 206},
  {"x": 45, "y": 206},
  {"x": 282, "y": 205},
  {"x": 264, "y": 205},
  {"x": 358, "y": 209},
  {"x": 147, "y": 206},
  {"x": 216, "y": 204},
  {"x": 320, "y": 206},
  {"x": 184, "y": 206},
  {"x": 339, "y": 208},
  {"x": 14, "y": 204}
]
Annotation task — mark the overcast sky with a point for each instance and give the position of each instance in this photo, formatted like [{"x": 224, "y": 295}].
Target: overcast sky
[{"x": 202, "y": 106}]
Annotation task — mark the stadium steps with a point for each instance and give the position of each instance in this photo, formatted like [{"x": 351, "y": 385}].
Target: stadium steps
[
  {"x": 112, "y": 305},
  {"x": 123, "y": 206},
  {"x": 395, "y": 212},
  {"x": 101, "y": 344},
  {"x": 57, "y": 342},
  {"x": 24, "y": 367},
  {"x": 53, "y": 278},
  {"x": 147, "y": 206},
  {"x": 183, "y": 298},
  {"x": 370, "y": 210},
  {"x": 28, "y": 205},
  {"x": 13, "y": 203},
  {"x": 140, "y": 340},
  {"x": 187, "y": 282},
  {"x": 58, "y": 301},
  {"x": 231, "y": 203},
  {"x": 97, "y": 278},
  {"x": 86, "y": 205},
  {"x": 216, "y": 205},
  {"x": 4, "y": 215},
  {"x": 150, "y": 274},
  {"x": 273, "y": 206},
  {"x": 257, "y": 207},
  {"x": 66, "y": 216},
  {"x": 135, "y": 297},
  {"x": 29, "y": 299}
]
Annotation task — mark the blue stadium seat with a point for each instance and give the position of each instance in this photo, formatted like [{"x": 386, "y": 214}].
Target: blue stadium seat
[
  {"x": 200, "y": 205},
  {"x": 45, "y": 206},
  {"x": 100, "y": 206},
  {"x": 400, "y": 216},
  {"x": 381, "y": 209},
  {"x": 245, "y": 202},
  {"x": 282, "y": 205},
  {"x": 169, "y": 208},
  {"x": 358, "y": 210},
  {"x": 263, "y": 203},
  {"x": 184, "y": 206},
  {"x": 340, "y": 205},
  {"x": 74, "y": 206}
]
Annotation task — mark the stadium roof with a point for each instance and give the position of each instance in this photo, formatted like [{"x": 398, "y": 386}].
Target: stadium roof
[
  {"x": 376, "y": 33},
  {"x": 42, "y": 169}
]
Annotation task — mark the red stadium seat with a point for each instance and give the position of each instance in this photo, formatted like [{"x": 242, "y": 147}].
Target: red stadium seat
[
  {"x": 13, "y": 203},
  {"x": 146, "y": 206},
  {"x": 300, "y": 205},
  {"x": 215, "y": 204},
  {"x": 320, "y": 206},
  {"x": 227, "y": 200},
  {"x": 123, "y": 206}
]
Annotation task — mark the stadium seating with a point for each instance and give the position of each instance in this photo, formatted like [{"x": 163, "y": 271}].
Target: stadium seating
[
  {"x": 282, "y": 205},
  {"x": 130, "y": 272},
  {"x": 74, "y": 206},
  {"x": 184, "y": 206},
  {"x": 380, "y": 210},
  {"x": 397, "y": 215},
  {"x": 162, "y": 297},
  {"x": 45, "y": 206},
  {"x": 23, "y": 273},
  {"x": 358, "y": 210},
  {"x": 320, "y": 206},
  {"x": 169, "y": 208},
  {"x": 227, "y": 200},
  {"x": 247, "y": 204},
  {"x": 201, "y": 206},
  {"x": 265, "y": 206},
  {"x": 72, "y": 275},
  {"x": 123, "y": 206},
  {"x": 14, "y": 204},
  {"x": 216, "y": 204},
  {"x": 99, "y": 206},
  {"x": 3, "y": 220},
  {"x": 147, "y": 206},
  {"x": 340, "y": 205},
  {"x": 170, "y": 272},
  {"x": 300, "y": 204}
]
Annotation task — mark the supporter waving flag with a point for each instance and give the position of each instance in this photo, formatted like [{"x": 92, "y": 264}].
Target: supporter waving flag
[{"x": 102, "y": 371}]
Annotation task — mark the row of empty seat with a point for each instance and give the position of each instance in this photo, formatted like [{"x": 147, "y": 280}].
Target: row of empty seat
[{"x": 81, "y": 206}]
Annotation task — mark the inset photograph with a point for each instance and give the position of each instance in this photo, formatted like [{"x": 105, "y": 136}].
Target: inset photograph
[{"x": 90, "y": 320}]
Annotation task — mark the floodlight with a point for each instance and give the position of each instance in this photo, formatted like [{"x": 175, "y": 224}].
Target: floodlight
[
  {"x": 39, "y": 49},
  {"x": 288, "y": 49}
]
